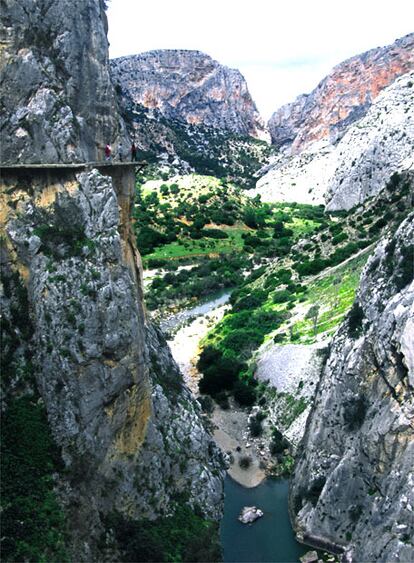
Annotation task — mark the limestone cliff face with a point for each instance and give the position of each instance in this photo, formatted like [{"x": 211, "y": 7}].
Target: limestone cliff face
[
  {"x": 130, "y": 434},
  {"x": 190, "y": 87},
  {"x": 353, "y": 483},
  {"x": 376, "y": 146},
  {"x": 342, "y": 97},
  {"x": 130, "y": 438},
  {"x": 57, "y": 104},
  {"x": 359, "y": 165}
]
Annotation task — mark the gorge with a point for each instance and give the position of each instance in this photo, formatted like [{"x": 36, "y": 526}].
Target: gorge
[{"x": 188, "y": 335}]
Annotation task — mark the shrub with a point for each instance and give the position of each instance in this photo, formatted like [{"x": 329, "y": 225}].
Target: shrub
[
  {"x": 214, "y": 233},
  {"x": 219, "y": 372},
  {"x": 28, "y": 498},
  {"x": 281, "y": 296},
  {"x": 222, "y": 400},
  {"x": 206, "y": 403},
  {"x": 355, "y": 317},
  {"x": 339, "y": 238},
  {"x": 278, "y": 443},
  {"x": 405, "y": 270},
  {"x": 280, "y": 337},
  {"x": 252, "y": 301},
  {"x": 184, "y": 536},
  {"x": 148, "y": 239},
  {"x": 284, "y": 275},
  {"x": 245, "y": 462},
  {"x": 203, "y": 198},
  {"x": 255, "y": 427},
  {"x": 307, "y": 268},
  {"x": 244, "y": 394}
]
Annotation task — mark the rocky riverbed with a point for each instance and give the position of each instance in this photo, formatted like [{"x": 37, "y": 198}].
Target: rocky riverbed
[{"x": 229, "y": 426}]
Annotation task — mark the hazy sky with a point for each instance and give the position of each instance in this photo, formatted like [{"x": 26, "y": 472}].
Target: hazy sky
[{"x": 283, "y": 48}]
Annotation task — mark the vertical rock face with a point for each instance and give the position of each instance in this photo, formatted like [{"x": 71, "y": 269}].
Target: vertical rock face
[
  {"x": 342, "y": 97},
  {"x": 58, "y": 104},
  {"x": 353, "y": 483},
  {"x": 78, "y": 345},
  {"x": 190, "y": 87},
  {"x": 130, "y": 434}
]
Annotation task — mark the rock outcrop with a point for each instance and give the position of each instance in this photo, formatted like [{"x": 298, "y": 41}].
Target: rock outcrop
[
  {"x": 293, "y": 370},
  {"x": 341, "y": 98},
  {"x": 189, "y": 86},
  {"x": 58, "y": 103},
  {"x": 353, "y": 482},
  {"x": 303, "y": 177}
]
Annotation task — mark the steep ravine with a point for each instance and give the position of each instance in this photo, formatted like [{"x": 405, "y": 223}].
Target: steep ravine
[{"x": 243, "y": 487}]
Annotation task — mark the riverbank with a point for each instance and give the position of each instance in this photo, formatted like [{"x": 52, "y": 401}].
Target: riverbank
[
  {"x": 185, "y": 343},
  {"x": 231, "y": 434}
]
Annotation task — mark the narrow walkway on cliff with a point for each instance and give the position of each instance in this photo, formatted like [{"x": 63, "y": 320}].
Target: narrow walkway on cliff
[{"x": 86, "y": 165}]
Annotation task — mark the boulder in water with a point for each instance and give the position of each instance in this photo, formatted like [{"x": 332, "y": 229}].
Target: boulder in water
[
  {"x": 309, "y": 557},
  {"x": 249, "y": 514}
]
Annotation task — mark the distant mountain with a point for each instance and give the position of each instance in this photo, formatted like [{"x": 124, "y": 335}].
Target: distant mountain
[
  {"x": 191, "y": 87},
  {"x": 342, "y": 97},
  {"x": 189, "y": 112},
  {"x": 358, "y": 166},
  {"x": 341, "y": 143}
]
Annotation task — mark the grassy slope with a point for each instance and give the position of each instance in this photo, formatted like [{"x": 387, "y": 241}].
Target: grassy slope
[
  {"x": 287, "y": 289},
  {"x": 180, "y": 203}
]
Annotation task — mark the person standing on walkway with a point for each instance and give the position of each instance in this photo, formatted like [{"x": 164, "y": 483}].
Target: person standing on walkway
[
  {"x": 108, "y": 152},
  {"x": 133, "y": 152},
  {"x": 120, "y": 152}
]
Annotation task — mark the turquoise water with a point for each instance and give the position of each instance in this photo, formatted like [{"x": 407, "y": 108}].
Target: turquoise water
[{"x": 270, "y": 538}]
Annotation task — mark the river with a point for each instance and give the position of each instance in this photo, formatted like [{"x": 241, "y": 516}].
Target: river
[
  {"x": 270, "y": 538},
  {"x": 171, "y": 323}
]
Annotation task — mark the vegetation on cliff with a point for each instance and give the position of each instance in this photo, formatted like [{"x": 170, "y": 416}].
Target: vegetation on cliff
[{"x": 183, "y": 537}]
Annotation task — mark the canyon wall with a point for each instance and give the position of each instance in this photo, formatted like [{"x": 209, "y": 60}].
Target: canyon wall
[
  {"x": 57, "y": 103},
  {"x": 352, "y": 488},
  {"x": 129, "y": 439}
]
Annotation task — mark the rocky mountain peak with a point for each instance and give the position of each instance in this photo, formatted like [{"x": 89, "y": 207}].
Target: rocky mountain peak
[
  {"x": 190, "y": 87},
  {"x": 342, "y": 97}
]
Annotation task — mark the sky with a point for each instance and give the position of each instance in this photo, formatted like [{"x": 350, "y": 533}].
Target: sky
[{"x": 282, "y": 48}]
